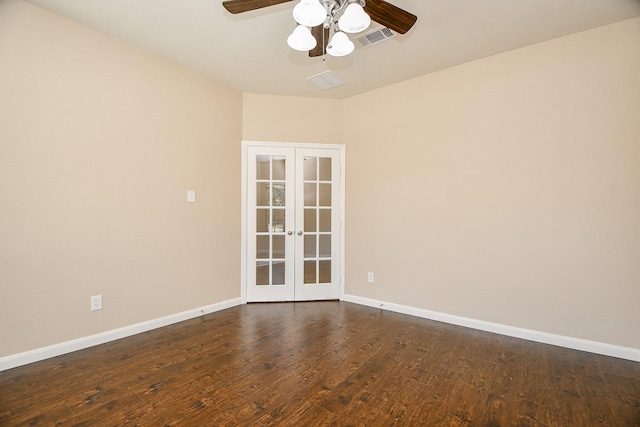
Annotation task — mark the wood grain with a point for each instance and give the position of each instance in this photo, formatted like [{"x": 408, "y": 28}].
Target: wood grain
[
  {"x": 241, "y": 6},
  {"x": 321, "y": 364}
]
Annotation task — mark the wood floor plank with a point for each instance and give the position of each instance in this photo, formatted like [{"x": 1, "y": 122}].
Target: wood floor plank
[{"x": 321, "y": 364}]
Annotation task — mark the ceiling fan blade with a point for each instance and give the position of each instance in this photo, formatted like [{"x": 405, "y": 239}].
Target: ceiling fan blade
[
  {"x": 321, "y": 46},
  {"x": 390, "y": 16},
  {"x": 239, "y": 6}
]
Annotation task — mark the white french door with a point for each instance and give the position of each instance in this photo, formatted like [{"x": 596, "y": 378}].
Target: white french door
[{"x": 293, "y": 223}]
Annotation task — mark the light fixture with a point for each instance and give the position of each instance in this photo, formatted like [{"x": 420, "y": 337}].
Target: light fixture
[
  {"x": 354, "y": 19},
  {"x": 348, "y": 16},
  {"x": 340, "y": 45},
  {"x": 309, "y": 13},
  {"x": 301, "y": 39}
]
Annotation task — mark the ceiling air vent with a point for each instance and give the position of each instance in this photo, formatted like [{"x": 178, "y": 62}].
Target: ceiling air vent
[
  {"x": 375, "y": 36},
  {"x": 326, "y": 80}
]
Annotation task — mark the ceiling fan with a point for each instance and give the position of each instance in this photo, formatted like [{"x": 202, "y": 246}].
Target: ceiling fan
[{"x": 316, "y": 18}]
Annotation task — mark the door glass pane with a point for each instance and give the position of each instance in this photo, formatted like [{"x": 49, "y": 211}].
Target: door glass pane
[
  {"x": 262, "y": 273},
  {"x": 262, "y": 194},
  {"x": 324, "y": 272},
  {"x": 277, "y": 277},
  {"x": 262, "y": 220},
  {"x": 262, "y": 167},
  {"x": 277, "y": 195},
  {"x": 310, "y": 195},
  {"x": 278, "y": 221},
  {"x": 309, "y": 220},
  {"x": 279, "y": 168},
  {"x": 262, "y": 247},
  {"x": 310, "y": 168},
  {"x": 325, "y": 169},
  {"x": 278, "y": 246},
  {"x": 325, "y": 245},
  {"x": 310, "y": 246},
  {"x": 310, "y": 272},
  {"x": 325, "y": 220},
  {"x": 325, "y": 194}
]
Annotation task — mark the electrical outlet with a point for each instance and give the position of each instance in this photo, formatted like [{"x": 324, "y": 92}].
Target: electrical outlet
[
  {"x": 370, "y": 277},
  {"x": 96, "y": 302}
]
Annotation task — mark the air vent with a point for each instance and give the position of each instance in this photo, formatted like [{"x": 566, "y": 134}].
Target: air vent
[
  {"x": 375, "y": 36},
  {"x": 325, "y": 80}
]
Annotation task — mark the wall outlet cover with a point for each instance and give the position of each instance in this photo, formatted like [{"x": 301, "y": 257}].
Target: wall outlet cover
[{"x": 96, "y": 302}]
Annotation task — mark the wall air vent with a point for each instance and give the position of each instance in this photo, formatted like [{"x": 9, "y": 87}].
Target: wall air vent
[{"x": 375, "y": 36}]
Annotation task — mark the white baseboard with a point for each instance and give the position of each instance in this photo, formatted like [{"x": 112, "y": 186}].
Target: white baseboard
[
  {"x": 527, "y": 334},
  {"x": 36, "y": 355}
]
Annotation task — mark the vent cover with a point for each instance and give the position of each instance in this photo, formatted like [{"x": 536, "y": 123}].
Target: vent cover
[
  {"x": 375, "y": 36},
  {"x": 325, "y": 80}
]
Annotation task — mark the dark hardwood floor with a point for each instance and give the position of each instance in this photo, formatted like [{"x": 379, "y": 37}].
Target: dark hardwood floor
[{"x": 323, "y": 363}]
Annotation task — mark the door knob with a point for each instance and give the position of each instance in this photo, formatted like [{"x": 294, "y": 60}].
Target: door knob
[
  {"x": 300, "y": 233},
  {"x": 289, "y": 233}
]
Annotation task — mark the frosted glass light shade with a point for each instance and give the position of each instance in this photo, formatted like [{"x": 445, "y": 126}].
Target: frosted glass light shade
[
  {"x": 354, "y": 19},
  {"x": 309, "y": 13},
  {"x": 301, "y": 39},
  {"x": 340, "y": 45}
]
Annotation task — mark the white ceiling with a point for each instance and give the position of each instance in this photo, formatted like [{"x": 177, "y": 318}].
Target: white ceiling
[{"x": 249, "y": 52}]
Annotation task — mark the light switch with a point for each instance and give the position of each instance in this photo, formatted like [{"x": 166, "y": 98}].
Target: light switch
[{"x": 191, "y": 196}]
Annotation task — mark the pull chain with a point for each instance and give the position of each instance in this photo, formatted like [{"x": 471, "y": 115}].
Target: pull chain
[{"x": 324, "y": 46}]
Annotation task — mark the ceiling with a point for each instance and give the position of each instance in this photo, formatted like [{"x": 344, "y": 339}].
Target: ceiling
[{"x": 249, "y": 52}]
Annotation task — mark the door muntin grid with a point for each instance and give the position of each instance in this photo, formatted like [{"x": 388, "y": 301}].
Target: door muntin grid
[
  {"x": 317, "y": 220},
  {"x": 271, "y": 204}
]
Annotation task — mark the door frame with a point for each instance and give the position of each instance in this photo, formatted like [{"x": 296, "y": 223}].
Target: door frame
[{"x": 244, "y": 181}]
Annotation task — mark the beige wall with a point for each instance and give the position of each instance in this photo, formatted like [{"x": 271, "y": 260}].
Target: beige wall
[
  {"x": 292, "y": 119},
  {"x": 99, "y": 143},
  {"x": 506, "y": 189}
]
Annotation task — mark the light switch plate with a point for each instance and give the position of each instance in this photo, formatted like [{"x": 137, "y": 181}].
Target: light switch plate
[{"x": 191, "y": 196}]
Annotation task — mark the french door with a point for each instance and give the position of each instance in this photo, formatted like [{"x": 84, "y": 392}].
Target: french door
[{"x": 293, "y": 223}]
